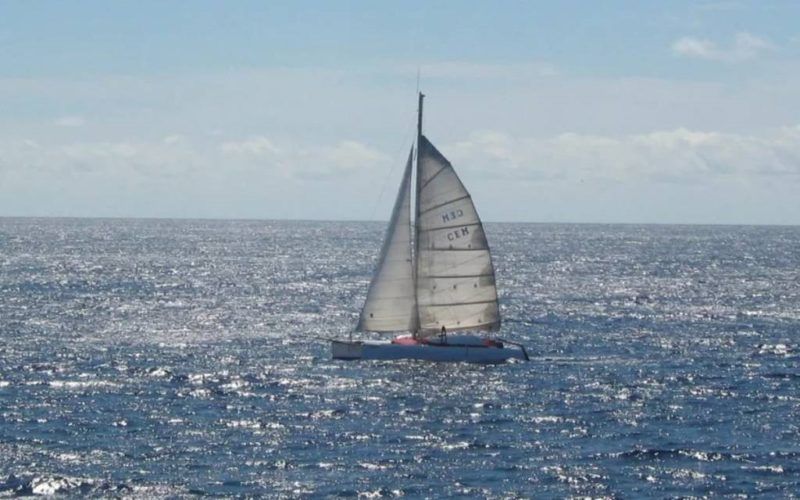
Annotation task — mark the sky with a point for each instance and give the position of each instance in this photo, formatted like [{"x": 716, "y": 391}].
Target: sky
[{"x": 573, "y": 111}]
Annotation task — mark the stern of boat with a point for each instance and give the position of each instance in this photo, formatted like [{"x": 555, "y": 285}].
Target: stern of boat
[{"x": 346, "y": 350}]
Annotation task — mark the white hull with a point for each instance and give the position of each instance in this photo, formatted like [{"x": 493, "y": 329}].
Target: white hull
[{"x": 385, "y": 350}]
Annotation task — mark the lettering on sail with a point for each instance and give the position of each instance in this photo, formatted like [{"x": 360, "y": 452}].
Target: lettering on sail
[
  {"x": 453, "y": 214},
  {"x": 458, "y": 233}
]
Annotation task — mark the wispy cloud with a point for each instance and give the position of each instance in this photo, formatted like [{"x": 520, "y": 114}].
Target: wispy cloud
[
  {"x": 70, "y": 121},
  {"x": 254, "y": 146},
  {"x": 745, "y": 46},
  {"x": 719, "y": 6},
  {"x": 464, "y": 69}
]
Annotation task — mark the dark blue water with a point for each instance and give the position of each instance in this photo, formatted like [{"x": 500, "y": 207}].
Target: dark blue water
[{"x": 157, "y": 357}]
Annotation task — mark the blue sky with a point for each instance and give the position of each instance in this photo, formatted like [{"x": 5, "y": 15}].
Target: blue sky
[{"x": 551, "y": 111}]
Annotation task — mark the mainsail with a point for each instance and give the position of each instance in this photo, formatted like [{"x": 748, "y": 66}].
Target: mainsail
[
  {"x": 455, "y": 282},
  {"x": 391, "y": 299}
]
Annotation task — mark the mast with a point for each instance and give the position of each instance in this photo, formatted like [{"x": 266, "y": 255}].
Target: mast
[
  {"x": 419, "y": 120},
  {"x": 416, "y": 208}
]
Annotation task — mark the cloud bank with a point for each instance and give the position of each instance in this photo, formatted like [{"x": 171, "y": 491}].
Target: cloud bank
[
  {"x": 673, "y": 156},
  {"x": 176, "y": 156}
]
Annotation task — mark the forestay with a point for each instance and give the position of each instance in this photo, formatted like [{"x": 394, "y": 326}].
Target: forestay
[
  {"x": 391, "y": 301},
  {"x": 454, "y": 272}
]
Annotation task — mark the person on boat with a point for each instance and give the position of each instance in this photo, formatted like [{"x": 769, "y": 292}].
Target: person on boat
[{"x": 443, "y": 335}]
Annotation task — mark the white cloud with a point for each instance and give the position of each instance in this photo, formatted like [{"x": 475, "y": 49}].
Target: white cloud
[
  {"x": 120, "y": 162},
  {"x": 719, "y": 6},
  {"x": 254, "y": 146},
  {"x": 745, "y": 46},
  {"x": 173, "y": 139},
  {"x": 693, "y": 47},
  {"x": 353, "y": 155},
  {"x": 70, "y": 121},
  {"x": 303, "y": 161}
]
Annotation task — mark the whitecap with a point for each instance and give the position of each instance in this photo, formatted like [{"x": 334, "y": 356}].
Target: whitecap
[{"x": 52, "y": 485}]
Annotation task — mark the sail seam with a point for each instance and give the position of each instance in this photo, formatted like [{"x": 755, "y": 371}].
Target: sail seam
[
  {"x": 448, "y": 276},
  {"x": 452, "y": 227},
  {"x": 454, "y": 249},
  {"x": 440, "y": 205},
  {"x": 431, "y": 178},
  {"x": 492, "y": 301}
]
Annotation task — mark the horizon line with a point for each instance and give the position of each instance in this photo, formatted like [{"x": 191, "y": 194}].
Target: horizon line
[{"x": 267, "y": 219}]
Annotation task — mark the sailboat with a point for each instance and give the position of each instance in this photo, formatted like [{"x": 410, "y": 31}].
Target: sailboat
[{"x": 435, "y": 279}]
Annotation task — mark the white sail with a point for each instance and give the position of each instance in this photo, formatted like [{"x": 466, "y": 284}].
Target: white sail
[
  {"x": 455, "y": 277},
  {"x": 391, "y": 300}
]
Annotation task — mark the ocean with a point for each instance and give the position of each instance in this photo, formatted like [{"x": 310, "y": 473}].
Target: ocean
[{"x": 153, "y": 358}]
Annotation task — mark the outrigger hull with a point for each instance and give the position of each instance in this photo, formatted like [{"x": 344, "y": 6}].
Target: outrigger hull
[{"x": 486, "y": 351}]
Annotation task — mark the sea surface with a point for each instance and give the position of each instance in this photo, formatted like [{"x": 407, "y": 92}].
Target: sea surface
[{"x": 160, "y": 358}]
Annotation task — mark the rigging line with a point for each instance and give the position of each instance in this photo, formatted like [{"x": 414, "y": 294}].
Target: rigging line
[
  {"x": 390, "y": 173},
  {"x": 399, "y": 154}
]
